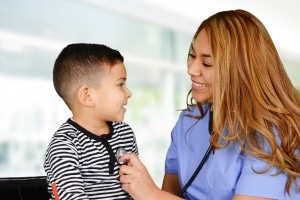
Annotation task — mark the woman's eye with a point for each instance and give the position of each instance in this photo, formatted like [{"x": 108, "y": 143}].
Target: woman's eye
[
  {"x": 206, "y": 65},
  {"x": 191, "y": 55}
]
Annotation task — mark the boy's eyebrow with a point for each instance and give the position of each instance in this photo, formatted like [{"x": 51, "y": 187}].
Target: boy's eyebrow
[{"x": 122, "y": 78}]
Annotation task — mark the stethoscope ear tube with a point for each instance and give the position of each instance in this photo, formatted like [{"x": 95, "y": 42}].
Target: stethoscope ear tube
[
  {"x": 208, "y": 151},
  {"x": 196, "y": 171}
]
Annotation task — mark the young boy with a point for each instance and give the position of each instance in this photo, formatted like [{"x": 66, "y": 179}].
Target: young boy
[{"x": 80, "y": 159}]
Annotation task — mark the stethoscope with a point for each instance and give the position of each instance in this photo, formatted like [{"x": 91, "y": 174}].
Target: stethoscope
[
  {"x": 205, "y": 157},
  {"x": 121, "y": 151}
]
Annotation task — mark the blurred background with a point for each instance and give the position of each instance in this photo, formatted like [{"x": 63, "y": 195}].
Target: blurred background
[{"x": 154, "y": 37}]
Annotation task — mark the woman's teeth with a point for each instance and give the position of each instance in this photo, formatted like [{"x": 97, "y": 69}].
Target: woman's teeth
[{"x": 199, "y": 84}]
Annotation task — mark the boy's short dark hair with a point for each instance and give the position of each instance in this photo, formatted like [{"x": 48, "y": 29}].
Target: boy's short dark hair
[{"x": 81, "y": 64}]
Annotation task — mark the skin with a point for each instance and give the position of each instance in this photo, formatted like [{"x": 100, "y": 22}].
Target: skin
[
  {"x": 137, "y": 181},
  {"x": 201, "y": 71},
  {"x": 97, "y": 105},
  {"x": 135, "y": 178}
]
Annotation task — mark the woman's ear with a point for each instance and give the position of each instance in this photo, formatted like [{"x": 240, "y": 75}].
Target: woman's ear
[{"x": 84, "y": 96}]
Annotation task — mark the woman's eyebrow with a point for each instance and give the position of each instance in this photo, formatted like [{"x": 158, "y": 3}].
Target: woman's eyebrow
[{"x": 205, "y": 55}]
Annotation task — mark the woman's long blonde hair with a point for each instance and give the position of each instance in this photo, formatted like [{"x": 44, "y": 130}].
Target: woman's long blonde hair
[{"x": 253, "y": 94}]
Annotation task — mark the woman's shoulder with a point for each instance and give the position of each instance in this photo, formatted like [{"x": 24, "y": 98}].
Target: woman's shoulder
[
  {"x": 189, "y": 116},
  {"x": 194, "y": 109}
]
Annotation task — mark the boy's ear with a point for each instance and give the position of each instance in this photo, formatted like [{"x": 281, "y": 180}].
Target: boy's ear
[{"x": 84, "y": 96}]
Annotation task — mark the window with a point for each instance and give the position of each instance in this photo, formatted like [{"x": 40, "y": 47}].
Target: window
[{"x": 32, "y": 33}]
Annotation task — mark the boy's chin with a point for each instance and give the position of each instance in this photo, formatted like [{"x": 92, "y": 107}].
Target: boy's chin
[{"x": 119, "y": 119}]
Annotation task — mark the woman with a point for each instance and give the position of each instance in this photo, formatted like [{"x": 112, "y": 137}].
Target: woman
[{"x": 254, "y": 134}]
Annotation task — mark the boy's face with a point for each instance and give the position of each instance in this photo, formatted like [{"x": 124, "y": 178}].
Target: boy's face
[{"x": 112, "y": 94}]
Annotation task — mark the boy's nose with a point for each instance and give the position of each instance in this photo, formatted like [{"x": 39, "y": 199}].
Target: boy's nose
[{"x": 129, "y": 94}]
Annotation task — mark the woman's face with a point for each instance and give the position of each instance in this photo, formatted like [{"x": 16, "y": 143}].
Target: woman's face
[{"x": 200, "y": 68}]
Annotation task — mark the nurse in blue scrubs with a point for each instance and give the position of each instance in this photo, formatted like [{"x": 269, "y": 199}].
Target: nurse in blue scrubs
[{"x": 239, "y": 136}]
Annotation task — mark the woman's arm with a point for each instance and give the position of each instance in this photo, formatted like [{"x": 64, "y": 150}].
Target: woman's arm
[
  {"x": 137, "y": 181},
  {"x": 171, "y": 184}
]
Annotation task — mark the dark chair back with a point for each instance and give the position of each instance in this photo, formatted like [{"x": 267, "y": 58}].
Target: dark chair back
[{"x": 24, "y": 188}]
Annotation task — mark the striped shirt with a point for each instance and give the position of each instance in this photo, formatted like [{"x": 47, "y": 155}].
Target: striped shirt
[{"x": 83, "y": 165}]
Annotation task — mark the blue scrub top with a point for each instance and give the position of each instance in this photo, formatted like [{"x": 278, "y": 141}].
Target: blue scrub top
[{"x": 226, "y": 172}]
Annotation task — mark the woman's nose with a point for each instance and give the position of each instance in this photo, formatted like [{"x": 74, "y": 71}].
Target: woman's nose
[{"x": 194, "y": 68}]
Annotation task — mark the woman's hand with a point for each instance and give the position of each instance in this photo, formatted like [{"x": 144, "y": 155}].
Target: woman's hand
[{"x": 136, "y": 180}]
